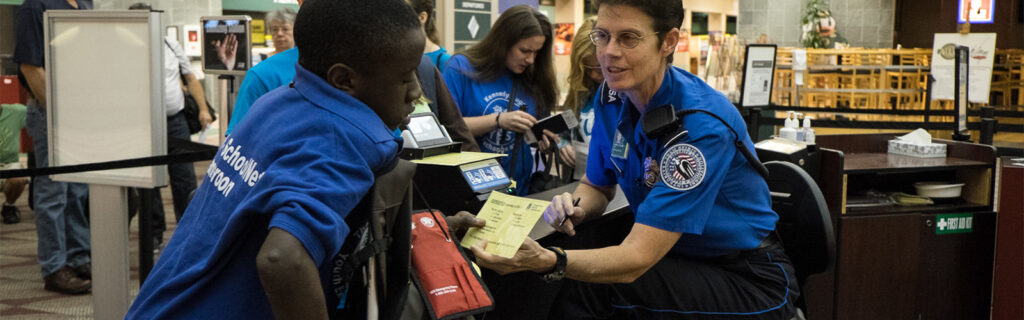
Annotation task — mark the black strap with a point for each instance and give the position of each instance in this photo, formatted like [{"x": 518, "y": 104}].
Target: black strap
[
  {"x": 192, "y": 152},
  {"x": 737, "y": 142},
  {"x": 519, "y": 136}
]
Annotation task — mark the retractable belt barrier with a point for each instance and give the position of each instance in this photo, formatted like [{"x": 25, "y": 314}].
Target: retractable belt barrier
[{"x": 193, "y": 152}]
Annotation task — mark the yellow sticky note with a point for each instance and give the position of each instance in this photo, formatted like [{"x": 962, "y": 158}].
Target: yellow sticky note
[{"x": 509, "y": 221}]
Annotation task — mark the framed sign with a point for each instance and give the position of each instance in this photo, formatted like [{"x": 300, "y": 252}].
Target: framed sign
[
  {"x": 227, "y": 44},
  {"x": 105, "y": 93},
  {"x": 983, "y": 48},
  {"x": 976, "y": 11},
  {"x": 758, "y": 75}
]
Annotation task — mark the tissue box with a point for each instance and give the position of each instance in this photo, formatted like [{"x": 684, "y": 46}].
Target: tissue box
[{"x": 929, "y": 150}]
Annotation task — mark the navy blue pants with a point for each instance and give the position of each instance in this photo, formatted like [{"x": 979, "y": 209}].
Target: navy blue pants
[
  {"x": 758, "y": 284},
  {"x": 754, "y": 284}
]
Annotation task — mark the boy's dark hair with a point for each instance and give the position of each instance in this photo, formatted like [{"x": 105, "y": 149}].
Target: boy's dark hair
[
  {"x": 667, "y": 14},
  {"x": 359, "y": 33},
  {"x": 490, "y": 55}
]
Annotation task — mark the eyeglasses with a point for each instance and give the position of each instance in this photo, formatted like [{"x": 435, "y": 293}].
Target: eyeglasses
[{"x": 628, "y": 40}]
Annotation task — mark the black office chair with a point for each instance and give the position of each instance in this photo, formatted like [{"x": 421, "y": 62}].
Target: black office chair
[{"x": 804, "y": 226}]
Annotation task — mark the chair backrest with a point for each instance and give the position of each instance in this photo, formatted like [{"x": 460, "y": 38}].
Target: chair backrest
[{"x": 804, "y": 222}]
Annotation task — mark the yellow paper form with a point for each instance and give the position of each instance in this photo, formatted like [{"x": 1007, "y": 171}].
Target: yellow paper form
[
  {"x": 509, "y": 221},
  {"x": 457, "y": 158}
]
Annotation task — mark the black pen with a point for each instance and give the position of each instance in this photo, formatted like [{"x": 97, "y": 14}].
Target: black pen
[{"x": 566, "y": 217}]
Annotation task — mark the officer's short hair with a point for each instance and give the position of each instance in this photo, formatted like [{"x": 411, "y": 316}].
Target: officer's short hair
[
  {"x": 667, "y": 14},
  {"x": 359, "y": 33}
]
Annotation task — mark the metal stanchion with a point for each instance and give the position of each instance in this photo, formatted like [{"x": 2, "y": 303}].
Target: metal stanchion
[{"x": 988, "y": 125}]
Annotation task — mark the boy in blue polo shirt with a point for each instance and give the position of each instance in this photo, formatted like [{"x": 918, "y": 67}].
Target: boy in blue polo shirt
[{"x": 262, "y": 231}]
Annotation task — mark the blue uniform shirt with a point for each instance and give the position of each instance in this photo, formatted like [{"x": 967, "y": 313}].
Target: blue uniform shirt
[
  {"x": 302, "y": 171},
  {"x": 703, "y": 187},
  {"x": 476, "y": 98},
  {"x": 276, "y": 71}
]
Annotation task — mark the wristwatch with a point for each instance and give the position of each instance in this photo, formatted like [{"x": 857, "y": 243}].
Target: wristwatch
[{"x": 558, "y": 272}]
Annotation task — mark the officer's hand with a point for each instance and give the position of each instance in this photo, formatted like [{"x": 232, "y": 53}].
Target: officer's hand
[
  {"x": 562, "y": 215},
  {"x": 463, "y": 220},
  {"x": 530, "y": 257},
  {"x": 568, "y": 155},
  {"x": 517, "y": 121}
]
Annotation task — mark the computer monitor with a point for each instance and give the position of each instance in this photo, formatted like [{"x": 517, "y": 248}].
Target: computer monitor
[
  {"x": 227, "y": 43},
  {"x": 427, "y": 131}
]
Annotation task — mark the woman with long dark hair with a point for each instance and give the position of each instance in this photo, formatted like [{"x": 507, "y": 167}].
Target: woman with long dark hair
[
  {"x": 433, "y": 49},
  {"x": 514, "y": 61}
]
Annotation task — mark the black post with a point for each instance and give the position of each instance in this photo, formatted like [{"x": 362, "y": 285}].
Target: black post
[
  {"x": 753, "y": 123},
  {"x": 145, "y": 233},
  {"x": 988, "y": 125},
  {"x": 928, "y": 98}
]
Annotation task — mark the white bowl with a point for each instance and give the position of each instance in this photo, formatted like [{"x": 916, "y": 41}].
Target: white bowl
[{"x": 933, "y": 189}]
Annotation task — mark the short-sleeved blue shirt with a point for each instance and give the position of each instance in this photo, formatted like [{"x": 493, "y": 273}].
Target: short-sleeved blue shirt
[
  {"x": 477, "y": 98},
  {"x": 28, "y": 30},
  {"x": 302, "y": 171},
  {"x": 439, "y": 57},
  {"x": 276, "y": 71},
  {"x": 703, "y": 187}
]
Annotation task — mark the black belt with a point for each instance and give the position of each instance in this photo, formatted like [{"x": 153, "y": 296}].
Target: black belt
[{"x": 770, "y": 242}]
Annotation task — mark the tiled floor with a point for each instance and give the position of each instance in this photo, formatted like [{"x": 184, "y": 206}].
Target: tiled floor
[{"x": 21, "y": 284}]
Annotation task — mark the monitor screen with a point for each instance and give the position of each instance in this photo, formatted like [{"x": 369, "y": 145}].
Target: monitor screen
[
  {"x": 226, "y": 44},
  {"x": 485, "y": 176},
  {"x": 426, "y": 130}
]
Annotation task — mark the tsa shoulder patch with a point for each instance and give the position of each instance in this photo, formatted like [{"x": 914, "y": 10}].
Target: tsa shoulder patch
[{"x": 682, "y": 167}]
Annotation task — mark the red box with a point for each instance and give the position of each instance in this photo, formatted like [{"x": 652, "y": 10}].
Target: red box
[{"x": 11, "y": 90}]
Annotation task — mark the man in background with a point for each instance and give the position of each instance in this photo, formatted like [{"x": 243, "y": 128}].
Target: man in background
[
  {"x": 182, "y": 175},
  {"x": 62, "y": 224}
]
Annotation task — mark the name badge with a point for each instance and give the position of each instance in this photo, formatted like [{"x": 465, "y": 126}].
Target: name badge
[{"x": 620, "y": 148}]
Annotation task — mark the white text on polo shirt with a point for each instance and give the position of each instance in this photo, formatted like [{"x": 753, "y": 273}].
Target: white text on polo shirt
[{"x": 244, "y": 166}]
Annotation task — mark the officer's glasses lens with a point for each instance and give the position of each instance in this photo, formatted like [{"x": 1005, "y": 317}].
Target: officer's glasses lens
[{"x": 600, "y": 38}]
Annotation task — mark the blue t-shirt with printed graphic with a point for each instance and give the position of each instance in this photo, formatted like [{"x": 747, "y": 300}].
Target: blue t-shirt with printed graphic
[
  {"x": 703, "y": 187},
  {"x": 301, "y": 171},
  {"x": 477, "y": 98}
]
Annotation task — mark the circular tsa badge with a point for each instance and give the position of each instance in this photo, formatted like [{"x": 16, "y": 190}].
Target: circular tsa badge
[{"x": 682, "y": 167}]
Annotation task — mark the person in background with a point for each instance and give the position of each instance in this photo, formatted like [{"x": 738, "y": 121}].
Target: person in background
[
  {"x": 62, "y": 224},
  {"x": 12, "y": 119},
  {"x": 182, "y": 175},
  {"x": 279, "y": 22},
  {"x": 584, "y": 79},
  {"x": 275, "y": 71},
  {"x": 702, "y": 245},
  {"x": 514, "y": 59},
  {"x": 437, "y": 54},
  {"x": 262, "y": 235}
]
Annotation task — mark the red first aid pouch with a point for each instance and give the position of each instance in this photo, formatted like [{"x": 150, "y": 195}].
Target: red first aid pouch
[{"x": 450, "y": 286}]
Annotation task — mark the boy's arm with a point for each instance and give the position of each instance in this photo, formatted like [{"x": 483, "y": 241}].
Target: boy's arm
[{"x": 290, "y": 278}]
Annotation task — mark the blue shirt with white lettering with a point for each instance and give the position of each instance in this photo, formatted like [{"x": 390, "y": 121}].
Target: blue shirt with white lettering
[
  {"x": 700, "y": 185},
  {"x": 301, "y": 171},
  {"x": 476, "y": 98}
]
